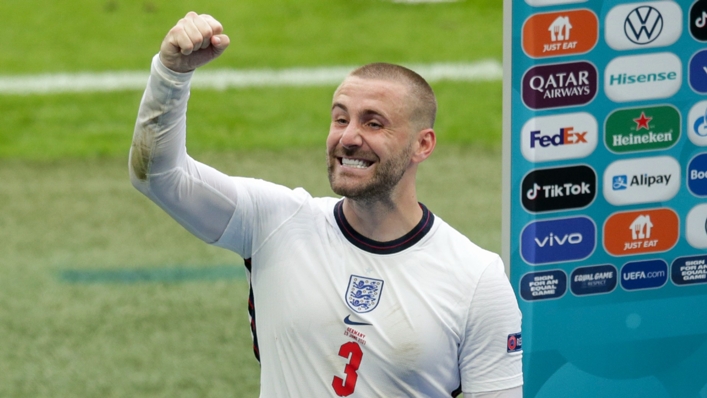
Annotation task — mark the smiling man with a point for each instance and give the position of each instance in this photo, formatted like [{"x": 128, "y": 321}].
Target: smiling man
[{"x": 368, "y": 295}]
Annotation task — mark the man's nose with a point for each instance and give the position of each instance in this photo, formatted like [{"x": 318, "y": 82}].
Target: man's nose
[{"x": 351, "y": 137}]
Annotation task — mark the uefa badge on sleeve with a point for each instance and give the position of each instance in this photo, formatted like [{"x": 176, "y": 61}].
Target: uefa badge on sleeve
[{"x": 515, "y": 343}]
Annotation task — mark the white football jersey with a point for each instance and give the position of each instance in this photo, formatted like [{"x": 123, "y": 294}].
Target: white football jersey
[{"x": 337, "y": 314}]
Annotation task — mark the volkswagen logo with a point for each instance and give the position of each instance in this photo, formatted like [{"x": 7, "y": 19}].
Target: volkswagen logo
[{"x": 643, "y": 25}]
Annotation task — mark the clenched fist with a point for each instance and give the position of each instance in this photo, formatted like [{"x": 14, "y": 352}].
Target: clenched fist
[{"x": 194, "y": 41}]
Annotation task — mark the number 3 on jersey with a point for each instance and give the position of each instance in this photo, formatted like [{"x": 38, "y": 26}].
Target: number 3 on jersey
[{"x": 352, "y": 352}]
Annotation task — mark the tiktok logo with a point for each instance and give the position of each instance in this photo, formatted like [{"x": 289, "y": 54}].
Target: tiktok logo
[
  {"x": 559, "y": 188},
  {"x": 698, "y": 20}
]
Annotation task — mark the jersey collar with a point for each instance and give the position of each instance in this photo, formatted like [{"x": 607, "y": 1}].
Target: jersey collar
[{"x": 389, "y": 247}]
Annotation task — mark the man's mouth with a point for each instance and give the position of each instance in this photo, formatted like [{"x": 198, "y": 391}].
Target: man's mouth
[{"x": 355, "y": 163}]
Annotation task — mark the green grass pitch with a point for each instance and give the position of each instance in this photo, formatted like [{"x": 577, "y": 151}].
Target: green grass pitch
[{"x": 67, "y": 203}]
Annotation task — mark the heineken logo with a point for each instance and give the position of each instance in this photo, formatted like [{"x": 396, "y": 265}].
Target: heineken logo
[{"x": 642, "y": 129}]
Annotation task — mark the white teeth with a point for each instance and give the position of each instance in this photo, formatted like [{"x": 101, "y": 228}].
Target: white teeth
[{"x": 357, "y": 163}]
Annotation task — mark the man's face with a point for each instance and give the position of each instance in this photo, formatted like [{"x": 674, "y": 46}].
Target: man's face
[{"x": 370, "y": 140}]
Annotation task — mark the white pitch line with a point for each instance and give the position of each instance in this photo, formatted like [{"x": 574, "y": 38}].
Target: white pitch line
[{"x": 221, "y": 79}]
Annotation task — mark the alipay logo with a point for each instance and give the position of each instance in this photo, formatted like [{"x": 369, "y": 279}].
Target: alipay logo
[
  {"x": 568, "y": 136},
  {"x": 552, "y": 241},
  {"x": 641, "y": 77},
  {"x": 642, "y": 25},
  {"x": 697, "y": 124},
  {"x": 642, "y": 180},
  {"x": 619, "y": 183}
]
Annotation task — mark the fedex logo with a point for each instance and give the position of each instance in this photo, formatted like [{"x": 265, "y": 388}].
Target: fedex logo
[
  {"x": 557, "y": 137},
  {"x": 566, "y": 136},
  {"x": 559, "y": 240}
]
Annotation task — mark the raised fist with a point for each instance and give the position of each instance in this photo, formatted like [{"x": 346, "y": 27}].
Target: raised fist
[{"x": 194, "y": 41}]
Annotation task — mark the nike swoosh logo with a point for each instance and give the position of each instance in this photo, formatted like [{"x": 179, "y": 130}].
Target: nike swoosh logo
[{"x": 353, "y": 323}]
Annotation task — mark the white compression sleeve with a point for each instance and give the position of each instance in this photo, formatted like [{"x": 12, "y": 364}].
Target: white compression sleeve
[{"x": 199, "y": 197}]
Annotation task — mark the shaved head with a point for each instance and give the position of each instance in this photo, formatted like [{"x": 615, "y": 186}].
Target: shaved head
[{"x": 420, "y": 97}]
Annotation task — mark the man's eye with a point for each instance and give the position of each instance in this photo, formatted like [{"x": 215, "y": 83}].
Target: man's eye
[
  {"x": 375, "y": 125},
  {"x": 341, "y": 121}
]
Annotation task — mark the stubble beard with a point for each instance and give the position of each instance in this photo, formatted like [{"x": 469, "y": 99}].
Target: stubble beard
[{"x": 380, "y": 187}]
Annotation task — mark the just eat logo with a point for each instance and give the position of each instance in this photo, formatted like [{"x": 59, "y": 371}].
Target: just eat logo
[{"x": 560, "y": 33}]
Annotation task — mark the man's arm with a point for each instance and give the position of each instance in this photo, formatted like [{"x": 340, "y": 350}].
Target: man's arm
[
  {"x": 487, "y": 365},
  {"x": 197, "y": 196}
]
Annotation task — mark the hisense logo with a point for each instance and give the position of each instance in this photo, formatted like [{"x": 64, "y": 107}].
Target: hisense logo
[
  {"x": 640, "y": 77},
  {"x": 625, "y": 78}
]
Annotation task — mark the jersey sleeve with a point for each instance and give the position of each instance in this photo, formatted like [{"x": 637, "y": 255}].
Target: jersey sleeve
[
  {"x": 203, "y": 200},
  {"x": 485, "y": 361}
]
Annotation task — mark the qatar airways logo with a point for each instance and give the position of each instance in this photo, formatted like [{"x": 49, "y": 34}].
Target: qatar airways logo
[{"x": 559, "y": 85}]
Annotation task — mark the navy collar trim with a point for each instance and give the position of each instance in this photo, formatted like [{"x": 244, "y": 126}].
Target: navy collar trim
[{"x": 390, "y": 247}]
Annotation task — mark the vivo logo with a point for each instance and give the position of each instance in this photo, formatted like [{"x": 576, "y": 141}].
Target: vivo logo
[
  {"x": 558, "y": 240},
  {"x": 554, "y": 240}
]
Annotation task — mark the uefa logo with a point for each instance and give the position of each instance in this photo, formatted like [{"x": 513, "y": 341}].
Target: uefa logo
[{"x": 642, "y": 25}]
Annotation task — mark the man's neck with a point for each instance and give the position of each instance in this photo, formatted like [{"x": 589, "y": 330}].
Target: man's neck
[{"x": 383, "y": 220}]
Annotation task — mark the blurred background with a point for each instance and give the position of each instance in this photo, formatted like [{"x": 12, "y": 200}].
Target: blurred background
[{"x": 101, "y": 293}]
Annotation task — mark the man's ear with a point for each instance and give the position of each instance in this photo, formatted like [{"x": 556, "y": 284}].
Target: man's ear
[{"x": 426, "y": 141}]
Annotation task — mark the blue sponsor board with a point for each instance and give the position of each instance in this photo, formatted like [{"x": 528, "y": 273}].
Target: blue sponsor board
[
  {"x": 697, "y": 175},
  {"x": 596, "y": 279},
  {"x": 639, "y": 275},
  {"x": 543, "y": 285},
  {"x": 560, "y": 240},
  {"x": 647, "y": 54},
  {"x": 689, "y": 270},
  {"x": 698, "y": 72}
]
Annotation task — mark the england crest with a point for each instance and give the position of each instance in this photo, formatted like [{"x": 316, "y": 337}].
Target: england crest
[{"x": 363, "y": 293}]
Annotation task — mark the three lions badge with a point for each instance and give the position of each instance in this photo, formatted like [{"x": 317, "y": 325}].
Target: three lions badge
[{"x": 363, "y": 293}]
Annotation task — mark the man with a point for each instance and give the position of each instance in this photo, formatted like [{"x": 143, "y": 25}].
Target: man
[{"x": 366, "y": 296}]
